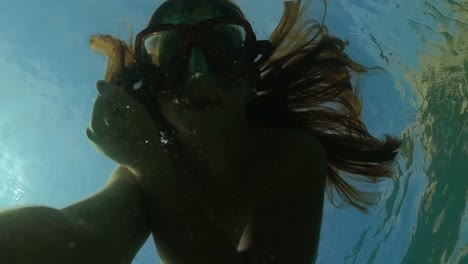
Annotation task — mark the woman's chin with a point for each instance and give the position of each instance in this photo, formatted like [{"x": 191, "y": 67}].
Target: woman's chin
[
  {"x": 201, "y": 130},
  {"x": 201, "y": 121},
  {"x": 204, "y": 125}
]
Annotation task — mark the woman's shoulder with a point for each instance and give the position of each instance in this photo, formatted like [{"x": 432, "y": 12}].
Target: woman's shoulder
[
  {"x": 299, "y": 146},
  {"x": 295, "y": 155},
  {"x": 293, "y": 140}
]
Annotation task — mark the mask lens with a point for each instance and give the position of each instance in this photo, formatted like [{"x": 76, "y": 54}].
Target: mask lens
[
  {"x": 163, "y": 49},
  {"x": 228, "y": 44}
]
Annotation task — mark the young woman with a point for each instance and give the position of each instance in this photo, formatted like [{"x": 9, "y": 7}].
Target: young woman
[{"x": 226, "y": 144}]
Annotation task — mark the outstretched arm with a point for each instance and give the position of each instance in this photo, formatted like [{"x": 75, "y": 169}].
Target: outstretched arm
[{"x": 108, "y": 227}]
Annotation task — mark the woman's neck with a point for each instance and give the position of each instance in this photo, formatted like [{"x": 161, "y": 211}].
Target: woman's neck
[{"x": 221, "y": 161}]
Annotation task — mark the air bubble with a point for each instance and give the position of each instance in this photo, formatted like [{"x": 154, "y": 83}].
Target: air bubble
[
  {"x": 164, "y": 138},
  {"x": 137, "y": 86},
  {"x": 197, "y": 75}
]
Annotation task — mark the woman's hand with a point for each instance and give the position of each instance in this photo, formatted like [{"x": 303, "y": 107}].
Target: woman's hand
[{"x": 122, "y": 129}]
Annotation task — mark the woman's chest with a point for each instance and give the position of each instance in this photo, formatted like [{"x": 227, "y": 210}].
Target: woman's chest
[
  {"x": 231, "y": 208},
  {"x": 231, "y": 195},
  {"x": 228, "y": 208}
]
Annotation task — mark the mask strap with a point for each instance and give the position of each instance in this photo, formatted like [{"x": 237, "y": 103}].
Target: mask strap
[{"x": 263, "y": 48}]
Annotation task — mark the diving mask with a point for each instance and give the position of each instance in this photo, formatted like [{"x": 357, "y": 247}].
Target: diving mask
[{"x": 229, "y": 44}]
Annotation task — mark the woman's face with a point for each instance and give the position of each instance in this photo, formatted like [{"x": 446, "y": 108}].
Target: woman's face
[{"x": 203, "y": 102}]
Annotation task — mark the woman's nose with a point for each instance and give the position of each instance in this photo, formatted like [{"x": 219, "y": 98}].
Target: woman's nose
[{"x": 197, "y": 63}]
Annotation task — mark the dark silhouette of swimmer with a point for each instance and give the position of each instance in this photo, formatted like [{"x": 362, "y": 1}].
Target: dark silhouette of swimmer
[{"x": 225, "y": 144}]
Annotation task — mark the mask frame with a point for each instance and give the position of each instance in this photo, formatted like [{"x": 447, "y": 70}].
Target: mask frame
[{"x": 192, "y": 35}]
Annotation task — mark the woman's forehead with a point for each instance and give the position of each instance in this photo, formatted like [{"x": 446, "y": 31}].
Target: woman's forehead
[{"x": 179, "y": 12}]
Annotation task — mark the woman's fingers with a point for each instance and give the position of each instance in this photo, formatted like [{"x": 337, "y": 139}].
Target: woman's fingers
[
  {"x": 91, "y": 136},
  {"x": 100, "y": 86},
  {"x": 118, "y": 115},
  {"x": 113, "y": 111},
  {"x": 115, "y": 95},
  {"x": 109, "y": 91}
]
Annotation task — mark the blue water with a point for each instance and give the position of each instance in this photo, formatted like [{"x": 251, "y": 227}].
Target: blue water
[{"x": 47, "y": 89}]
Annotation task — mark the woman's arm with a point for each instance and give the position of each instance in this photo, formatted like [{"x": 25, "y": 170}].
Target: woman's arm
[{"x": 108, "y": 227}]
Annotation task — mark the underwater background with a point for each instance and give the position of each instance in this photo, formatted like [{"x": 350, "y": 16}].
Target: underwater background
[{"x": 47, "y": 90}]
